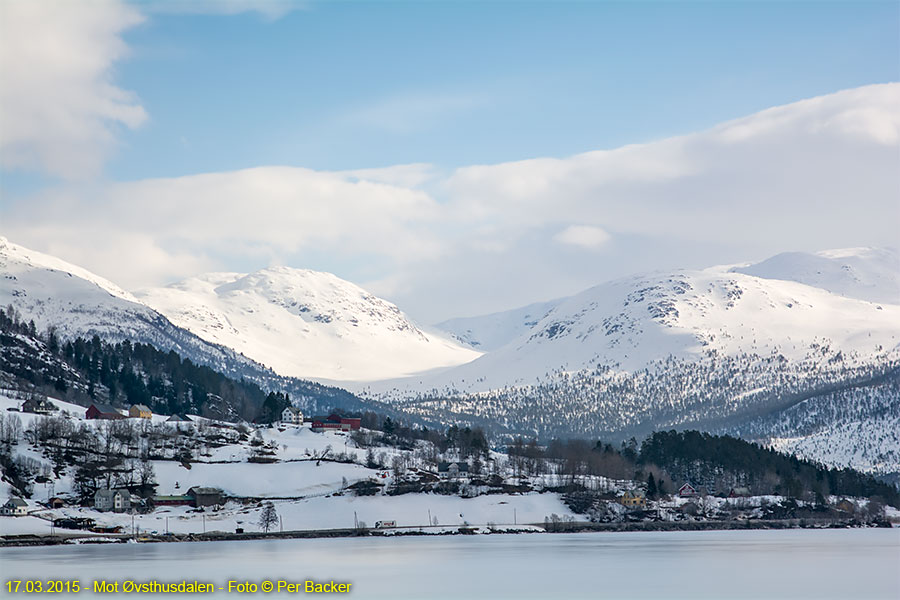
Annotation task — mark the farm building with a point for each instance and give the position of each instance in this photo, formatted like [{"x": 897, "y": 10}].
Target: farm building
[{"x": 103, "y": 411}]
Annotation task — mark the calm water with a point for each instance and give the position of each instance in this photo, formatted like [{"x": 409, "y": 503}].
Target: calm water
[{"x": 851, "y": 564}]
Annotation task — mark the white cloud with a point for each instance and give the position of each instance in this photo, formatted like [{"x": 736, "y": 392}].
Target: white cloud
[
  {"x": 806, "y": 176},
  {"x": 584, "y": 236},
  {"x": 830, "y": 162},
  {"x": 58, "y": 103},
  {"x": 267, "y": 213}
]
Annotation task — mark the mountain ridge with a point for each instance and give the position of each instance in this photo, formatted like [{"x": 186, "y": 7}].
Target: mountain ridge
[
  {"x": 337, "y": 330},
  {"x": 687, "y": 313},
  {"x": 799, "y": 341}
]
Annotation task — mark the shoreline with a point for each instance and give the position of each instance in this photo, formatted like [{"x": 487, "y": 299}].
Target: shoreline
[{"x": 75, "y": 539}]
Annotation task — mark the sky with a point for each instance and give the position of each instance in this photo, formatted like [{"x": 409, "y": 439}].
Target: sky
[{"x": 456, "y": 158}]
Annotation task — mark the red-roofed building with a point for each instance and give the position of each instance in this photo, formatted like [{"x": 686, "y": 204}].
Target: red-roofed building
[
  {"x": 687, "y": 491},
  {"x": 335, "y": 422},
  {"x": 102, "y": 411}
]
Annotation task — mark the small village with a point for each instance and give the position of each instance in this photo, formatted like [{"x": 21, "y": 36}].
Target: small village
[{"x": 185, "y": 476}]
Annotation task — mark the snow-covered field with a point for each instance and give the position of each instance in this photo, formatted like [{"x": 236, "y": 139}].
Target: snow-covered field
[{"x": 337, "y": 512}]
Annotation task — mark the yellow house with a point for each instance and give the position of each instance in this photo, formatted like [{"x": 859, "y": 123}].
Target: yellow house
[
  {"x": 139, "y": 411},
  {"x": 633, "y": 499}
]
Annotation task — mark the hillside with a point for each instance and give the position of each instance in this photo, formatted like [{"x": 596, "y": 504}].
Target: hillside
[
  {"x": 788, "y": 305},
  {"x": 762, "y": 350},
  {"x": 493, "y": 331},
  {"x": 83, "y": 371},
  {"x": 73, "y": 302},
  {"x": 388, "y": 470},
  {"x": 751, "y": 349},
  {"x": 304, "y": 323},
  {"x": 76, "y": 302}
]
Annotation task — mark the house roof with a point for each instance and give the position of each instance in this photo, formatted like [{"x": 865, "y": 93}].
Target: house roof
[
  {"x": 105, "y": 408},
  {"x": 329, "y": 419},
  {"x": 444, "y": 466},
  {"x": 141, "y": 407},
  {"x": 176, "y": 418},
  {"x": 293, "y": 409},
  {"x": 39, "y": 402},
  {"x": 17, "y": 502},
  {"x": 205, "y": 491}
]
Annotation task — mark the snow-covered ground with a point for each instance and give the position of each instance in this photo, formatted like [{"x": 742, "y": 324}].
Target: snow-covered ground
[
  {"x": 284, "y": 479},
  {"x": 336, "y": 512},
  {"x": 308, "y": 493}
]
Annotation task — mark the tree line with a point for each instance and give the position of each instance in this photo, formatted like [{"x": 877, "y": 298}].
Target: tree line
[{"x": 84, "y": 370}]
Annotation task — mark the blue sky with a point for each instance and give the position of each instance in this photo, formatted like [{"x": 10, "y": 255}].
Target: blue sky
[
  {"x": 352, "y": 85},
  {"x": 147, "y": 91}
]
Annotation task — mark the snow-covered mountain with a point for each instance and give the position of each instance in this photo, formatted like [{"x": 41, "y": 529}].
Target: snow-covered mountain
[
  {"x": 865, "y": 273},
  {"x": 299, "y": 323},
  {"x": 800, "y": 351},
  {"x": 52, "y": 292},
  {"x": 306, "y": 323},
  {"x": 493, "y": 331},
  {"x": 845, "y": 300}
]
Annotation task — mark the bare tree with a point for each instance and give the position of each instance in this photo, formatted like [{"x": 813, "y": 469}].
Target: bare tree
[
  {"x": 398, "y": 466},
  {"x": 146, "y": 473},
  {"x": 268, "y": 518}
]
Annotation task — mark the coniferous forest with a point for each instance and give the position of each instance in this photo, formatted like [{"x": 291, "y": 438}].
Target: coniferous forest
[{"x": 84, "y": 370}]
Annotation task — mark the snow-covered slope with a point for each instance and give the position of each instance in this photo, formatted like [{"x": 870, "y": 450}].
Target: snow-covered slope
[
  {"x": 52, "y": 292},
  {"x": 489, "y": 332},
  {"x": 865, "y": 273},
  {"x": 789, "y": 305},
  {"x": 305, "y": 324}
]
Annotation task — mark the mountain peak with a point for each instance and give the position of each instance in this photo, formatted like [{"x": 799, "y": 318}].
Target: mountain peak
[
  {"x": 871, "y": 274},
  {"x": 305, "y": 323},
  {"x": 788, "y": 304},
  {"x": 16, "y": 260}
]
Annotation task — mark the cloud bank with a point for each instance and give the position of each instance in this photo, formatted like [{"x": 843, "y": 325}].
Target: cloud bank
[
  {"x": 814, "y": 174},
  {"x": 58, "y": 104}
]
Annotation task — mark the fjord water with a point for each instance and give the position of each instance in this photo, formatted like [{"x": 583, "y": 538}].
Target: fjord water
[{"x": 813, "y": 564}]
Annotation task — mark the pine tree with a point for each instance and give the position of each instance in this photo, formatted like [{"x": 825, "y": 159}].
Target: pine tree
[{"x": 651, "y": 486}]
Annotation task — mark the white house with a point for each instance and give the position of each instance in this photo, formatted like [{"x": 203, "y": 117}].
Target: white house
[
  {"x": 453, "y": 470},
  {"x": 14, "y": 507},
  {"x": 114, "y": 500},
  {"x": 292, "y": 415}
]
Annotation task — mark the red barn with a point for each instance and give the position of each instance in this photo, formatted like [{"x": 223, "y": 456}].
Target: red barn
[
  {"x": 102, "y": 411},
  {"x": 335, "y": 422}
]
